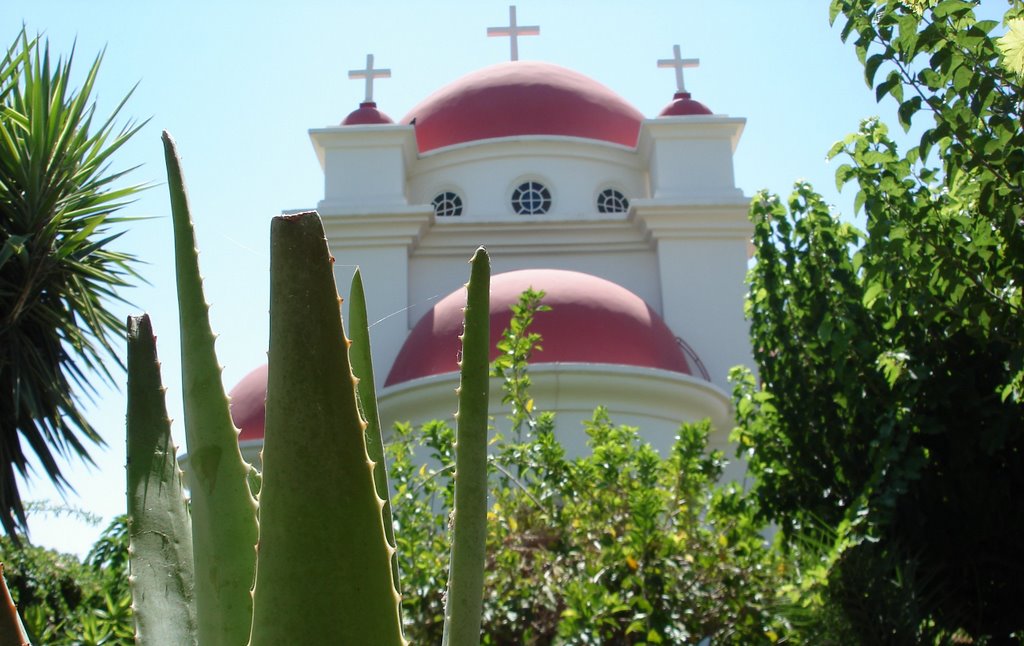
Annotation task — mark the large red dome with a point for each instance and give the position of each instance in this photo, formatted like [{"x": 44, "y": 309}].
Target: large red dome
[
  {"x": 523, "y": 98},
  {"x": 592, "y": 320}
]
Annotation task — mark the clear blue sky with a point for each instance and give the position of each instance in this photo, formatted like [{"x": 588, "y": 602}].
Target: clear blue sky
[{"x": 239, "y": 85}]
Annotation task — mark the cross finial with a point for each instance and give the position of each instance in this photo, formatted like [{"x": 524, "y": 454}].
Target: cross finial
[
  {"x": 514, "y": 31},
  {"x": 369, "y": 74},
  {"x": 679, "y": 63}
]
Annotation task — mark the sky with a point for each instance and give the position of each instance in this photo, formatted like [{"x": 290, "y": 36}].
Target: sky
[{"x": 240, "y": 84}]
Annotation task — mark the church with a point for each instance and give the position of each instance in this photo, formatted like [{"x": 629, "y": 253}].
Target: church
[{"x": 631, "y": 224}]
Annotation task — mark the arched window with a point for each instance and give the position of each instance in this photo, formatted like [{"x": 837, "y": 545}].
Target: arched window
[
  {"x": 611, "y": 200},
  {"x": 531, "y": 198},
  {"x": 447, "y": 203}
]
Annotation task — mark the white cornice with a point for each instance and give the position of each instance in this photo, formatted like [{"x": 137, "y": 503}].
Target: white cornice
[
  {"x": 690, "y": 127},
  {"x": 547, "y": 237},
  {"x": 402, "y": 137},
  {"x": 386, "y": 227},
  {"x": 664, "y": 219}
]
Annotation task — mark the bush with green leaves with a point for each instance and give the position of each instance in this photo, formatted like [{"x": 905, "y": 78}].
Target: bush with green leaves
[
  {"x": 620, "y": 546},
  {"x": 65, "y": 601},
  {"x": 890, "y": 402}
]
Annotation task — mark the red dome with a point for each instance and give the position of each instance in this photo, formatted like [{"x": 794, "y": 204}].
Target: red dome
[
  {"x": 367, "y": 114},
  {"x": 592, "y": 320},
  {"x": 683, "y": 105},
  {"x": 523, "y": 98},
  {"x": 248, "y": 404}
]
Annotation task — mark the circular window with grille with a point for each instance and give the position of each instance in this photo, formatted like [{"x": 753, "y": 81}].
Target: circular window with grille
[
  {"x": 531, "y": 198},
  {"x": 612, "y": 200},
  {"x": 447, "y": 203}
]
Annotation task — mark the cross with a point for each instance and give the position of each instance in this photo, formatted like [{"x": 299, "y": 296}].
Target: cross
[
  {"x": 369, "y": 74},
  {"x": 678, "y": 62},
  {"x": 514, "y": 31}
]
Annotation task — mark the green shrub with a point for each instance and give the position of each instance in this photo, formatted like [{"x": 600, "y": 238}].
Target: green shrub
[
  {"x": 65, "y": 601},
  {"x": 620, "y": 546}
]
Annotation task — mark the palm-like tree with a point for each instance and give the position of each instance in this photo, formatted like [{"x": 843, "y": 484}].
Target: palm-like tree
[{"x": 58, "y": 272}]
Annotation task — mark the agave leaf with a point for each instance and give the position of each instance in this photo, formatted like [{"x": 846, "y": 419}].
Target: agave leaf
[
  {"x": 224, "y": 526},
  {"x": 362, "y": 367},
  {"x": 162, "y": 577},
  {"x": 324, "y": 573},
  {"x": 464, "y": 603}
]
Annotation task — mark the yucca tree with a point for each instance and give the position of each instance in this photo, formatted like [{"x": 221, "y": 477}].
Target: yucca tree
[{"x": 58, "y": 272}]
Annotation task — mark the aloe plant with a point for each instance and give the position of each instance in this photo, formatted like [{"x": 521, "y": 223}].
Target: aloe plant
[
  {"x": 160, "y": 528},
  {"x": 318, "y": 565}
]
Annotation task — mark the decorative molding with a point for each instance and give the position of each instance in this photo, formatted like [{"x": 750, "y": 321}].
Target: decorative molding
[
  {"x": 389, "y": 227},
  {"x": 661, "y": 219},
  {"x": 535, "y": 236},
  {"x": 402, "y": 137},
  {"x": 712, "y": 126}
]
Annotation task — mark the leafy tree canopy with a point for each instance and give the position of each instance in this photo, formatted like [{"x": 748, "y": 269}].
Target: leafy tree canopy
[{"x": 891, "y": 360}]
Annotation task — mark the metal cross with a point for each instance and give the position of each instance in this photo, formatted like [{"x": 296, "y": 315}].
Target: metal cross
[
  {"x": 679, "y": 63},
  {"x": 369, "y": 74},
  {"x": 514, "y": 31}
]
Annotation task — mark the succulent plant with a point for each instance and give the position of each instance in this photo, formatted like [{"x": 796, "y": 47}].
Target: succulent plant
[{"x": 310, "y": 559}]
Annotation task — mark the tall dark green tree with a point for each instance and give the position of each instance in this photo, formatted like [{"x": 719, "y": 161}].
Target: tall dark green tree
[
  {"x": 58, "y": 271},
  {"x": 890, "y": 401}
]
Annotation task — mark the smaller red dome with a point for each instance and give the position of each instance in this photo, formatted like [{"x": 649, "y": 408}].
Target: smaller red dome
[
  {"x": 366, "y": 115},
  {"x": 592, "y": 320},
  {"x": 248, "y": 404},
  {"x": 683, "y": 105}
]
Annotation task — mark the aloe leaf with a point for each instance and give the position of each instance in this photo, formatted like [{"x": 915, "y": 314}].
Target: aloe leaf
[
  {"x": 160, "y": 531},
  {"x": 464, "y": 603},
  {"x": 362, "y": 367},
  {"x": 324, "y": 573},
  {"x": 224, "y": 525}
]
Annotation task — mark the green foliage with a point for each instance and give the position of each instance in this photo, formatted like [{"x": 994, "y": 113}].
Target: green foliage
[
  {"x": 68, "y": 602},
  {"x": 515, "y": 348},
  {"x": 891, "y": 361},
  {"x": 58, "y": 271},
  {"x": 619, "y": 546}
]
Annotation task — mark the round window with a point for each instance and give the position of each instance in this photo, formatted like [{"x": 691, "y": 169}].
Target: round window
[
  {"x": 447, "y": 204},
  {"x": 531, "y": 198},
  {"x": 612, "y": 201}
]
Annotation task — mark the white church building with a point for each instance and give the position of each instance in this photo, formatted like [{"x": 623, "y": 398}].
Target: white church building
[{"x": 632, "y": 224}]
